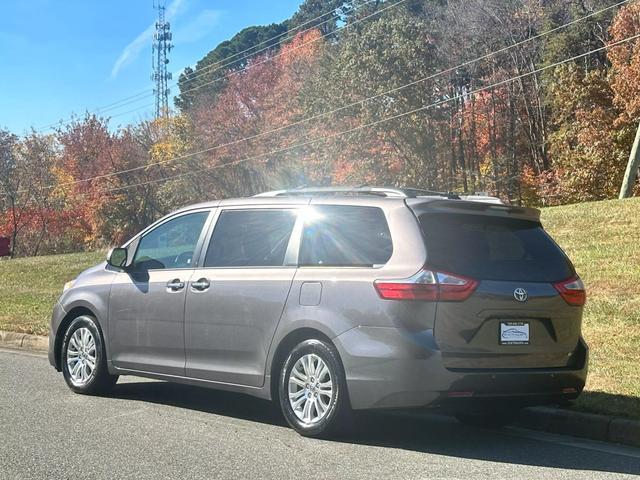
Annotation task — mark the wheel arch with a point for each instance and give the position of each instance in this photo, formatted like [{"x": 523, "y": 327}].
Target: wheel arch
[
  {"x": 284, "y": 348},
  {"x": 71, "y": 315}
]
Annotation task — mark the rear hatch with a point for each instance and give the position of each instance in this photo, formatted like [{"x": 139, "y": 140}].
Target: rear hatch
[{"x": 526, "y": 308}]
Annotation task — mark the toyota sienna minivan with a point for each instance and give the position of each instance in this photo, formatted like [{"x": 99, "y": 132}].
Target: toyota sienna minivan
[{"x": 335, "y": 300}]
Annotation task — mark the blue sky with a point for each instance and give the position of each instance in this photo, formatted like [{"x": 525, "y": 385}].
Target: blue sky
[{"x": 59, "y": 57}]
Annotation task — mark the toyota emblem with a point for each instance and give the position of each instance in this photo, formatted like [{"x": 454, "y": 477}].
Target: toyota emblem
[{"x": 520, "y": 294}]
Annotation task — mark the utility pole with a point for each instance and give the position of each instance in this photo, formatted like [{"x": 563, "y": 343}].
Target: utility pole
[
  {"x": 632, "y": 169},
  {"x": 159, "y": 61}
]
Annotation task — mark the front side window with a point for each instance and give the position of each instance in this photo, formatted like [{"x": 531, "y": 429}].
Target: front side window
[
  {"x": 170, "y": 245},
  {"x": 345, "y": 236},
  {"x": 250, "y": 238}
]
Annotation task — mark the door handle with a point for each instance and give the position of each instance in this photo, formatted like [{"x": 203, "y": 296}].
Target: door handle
[
  {"x": 175, "y": 285},
  {"x": 200, "y": 285}
]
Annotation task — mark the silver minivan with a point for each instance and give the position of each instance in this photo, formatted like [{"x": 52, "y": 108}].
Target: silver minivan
[{"x": 335, "y": 300}]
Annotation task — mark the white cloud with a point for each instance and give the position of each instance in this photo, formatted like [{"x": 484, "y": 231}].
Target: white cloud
[
  {"x": 133, "y": 49},
  {"x": 199, "y": 27}
]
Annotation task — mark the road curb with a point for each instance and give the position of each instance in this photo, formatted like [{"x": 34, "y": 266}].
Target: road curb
[
  {"x": 579, "y": 424},
  {"x": 24, "y": 340}
]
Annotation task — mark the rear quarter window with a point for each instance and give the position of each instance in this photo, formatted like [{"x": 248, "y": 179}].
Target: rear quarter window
[
  {"x": 345, "y": 236},
  {"x": 493, "y": 248}
]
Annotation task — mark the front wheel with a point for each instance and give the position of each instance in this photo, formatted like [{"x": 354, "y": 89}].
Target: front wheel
[
  {"x": 312, "y": 390},
  {"x": 84, "y": 360}
]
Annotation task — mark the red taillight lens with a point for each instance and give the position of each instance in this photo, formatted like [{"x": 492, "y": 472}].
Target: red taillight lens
[
  {"x": 427, "y": 285},
  {"x": 572, "y": 291},
  {"x": 421, "y": 286}
]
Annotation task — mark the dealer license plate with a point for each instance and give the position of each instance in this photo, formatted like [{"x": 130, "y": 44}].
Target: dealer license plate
[{"x": 514, "y": 333}]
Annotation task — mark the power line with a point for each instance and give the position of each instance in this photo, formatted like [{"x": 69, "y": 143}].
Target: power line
[
  {"x": 418, "y": 81},
  {"x": 339, "y": 109},
  {"x": 269, "y": 59},
  {"x": 149, "y": 93},
  {"x": 144, "y": 94},
  {"x": 297, "y": 47},
  {"x": 334, "y": 14},
  {"x": 377, "y": 122}
]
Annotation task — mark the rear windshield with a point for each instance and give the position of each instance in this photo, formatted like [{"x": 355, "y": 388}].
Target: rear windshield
[{"x": 493, "y": 248}]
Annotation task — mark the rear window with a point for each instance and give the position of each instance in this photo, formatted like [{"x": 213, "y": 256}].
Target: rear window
[
  {"x": 345, "y": 236},
  {"x": 492, "y": 248}
]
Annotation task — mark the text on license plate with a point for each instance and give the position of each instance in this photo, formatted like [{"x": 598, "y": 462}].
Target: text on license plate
[{"x": 514, "y": 333}]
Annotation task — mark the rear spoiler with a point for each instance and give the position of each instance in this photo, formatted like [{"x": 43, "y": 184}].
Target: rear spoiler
[{"x": 423, "y": 205}]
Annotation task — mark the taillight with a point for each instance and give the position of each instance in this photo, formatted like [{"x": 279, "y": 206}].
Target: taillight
[
  {"x": 572, "y": 291},
  {"x": 421, "y": 286},
  {"x": 427, "y": 285},
  {"x": 455, "y": 288}
]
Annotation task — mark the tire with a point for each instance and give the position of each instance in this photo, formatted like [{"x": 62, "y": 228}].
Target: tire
[
  {"x": 322, "y": 403},
  {"x": 488, "y": 418},
  {"x": 82, "y": 347}
]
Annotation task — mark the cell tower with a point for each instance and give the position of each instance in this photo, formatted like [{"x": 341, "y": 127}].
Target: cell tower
[{"x": 159, "y": 61}]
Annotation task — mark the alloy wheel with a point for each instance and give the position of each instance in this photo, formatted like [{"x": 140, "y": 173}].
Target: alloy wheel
[
  {"x": 310, "y": 389},
  {"x": 81, "y": 356}
]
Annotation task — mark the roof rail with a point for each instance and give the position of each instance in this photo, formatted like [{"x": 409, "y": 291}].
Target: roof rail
[{"x": 379, "y": 191}]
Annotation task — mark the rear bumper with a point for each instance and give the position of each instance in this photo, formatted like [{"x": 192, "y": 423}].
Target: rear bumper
[{"x": 391, "y": 368}]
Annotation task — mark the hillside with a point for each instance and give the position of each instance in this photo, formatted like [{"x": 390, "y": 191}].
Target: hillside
[
  {"x": 31, "y": 285},
  {"x": 602, "y": 238}
]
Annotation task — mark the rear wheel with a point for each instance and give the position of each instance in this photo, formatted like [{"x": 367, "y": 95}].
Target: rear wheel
[
  {"x": 83, "y": 358},
  {"x": 312, "y": 390}
]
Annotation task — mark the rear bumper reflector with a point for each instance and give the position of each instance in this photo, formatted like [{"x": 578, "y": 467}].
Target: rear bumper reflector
[{"x": 459, "y": 394}]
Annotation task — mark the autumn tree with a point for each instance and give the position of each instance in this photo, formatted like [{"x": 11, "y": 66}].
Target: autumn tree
[
  {"x": 588, "y": 155},
  {"x": 431, "y": 94},
  {"x": 11, "y": 182},
  {"x": 208, "y": 78},
  {"x": 238, "y": 133},
  {"x": 625, "y": 68},
  {"x": 361, "y": 66},
  {"x": 595, "y": 113},
  {"x": 29, "y": 216}
]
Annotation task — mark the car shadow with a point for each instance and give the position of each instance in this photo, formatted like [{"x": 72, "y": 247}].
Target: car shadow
[{"x": 434, "y": 434}]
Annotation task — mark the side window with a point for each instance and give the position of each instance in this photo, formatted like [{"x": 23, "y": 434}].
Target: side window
[
  {"x": 170, "y": 245},
  {"x": 345, "y": 236},
  {"x": 250, "y": 238}
]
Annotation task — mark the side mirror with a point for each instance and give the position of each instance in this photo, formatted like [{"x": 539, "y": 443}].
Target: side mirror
[{"x": 117, "y": 257}]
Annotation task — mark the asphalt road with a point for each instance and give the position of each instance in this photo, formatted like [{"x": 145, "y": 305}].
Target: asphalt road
[{"x": 150, "y": 429}]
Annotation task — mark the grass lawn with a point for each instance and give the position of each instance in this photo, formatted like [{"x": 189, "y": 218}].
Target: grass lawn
[
  {"x": 602, "y": 239},
  {"x": 30, "y": 286}
]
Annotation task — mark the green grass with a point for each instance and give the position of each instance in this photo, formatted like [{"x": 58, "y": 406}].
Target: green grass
[
  {"x": 30, "y": 286},
  {"x": 602, "y": 239}
]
